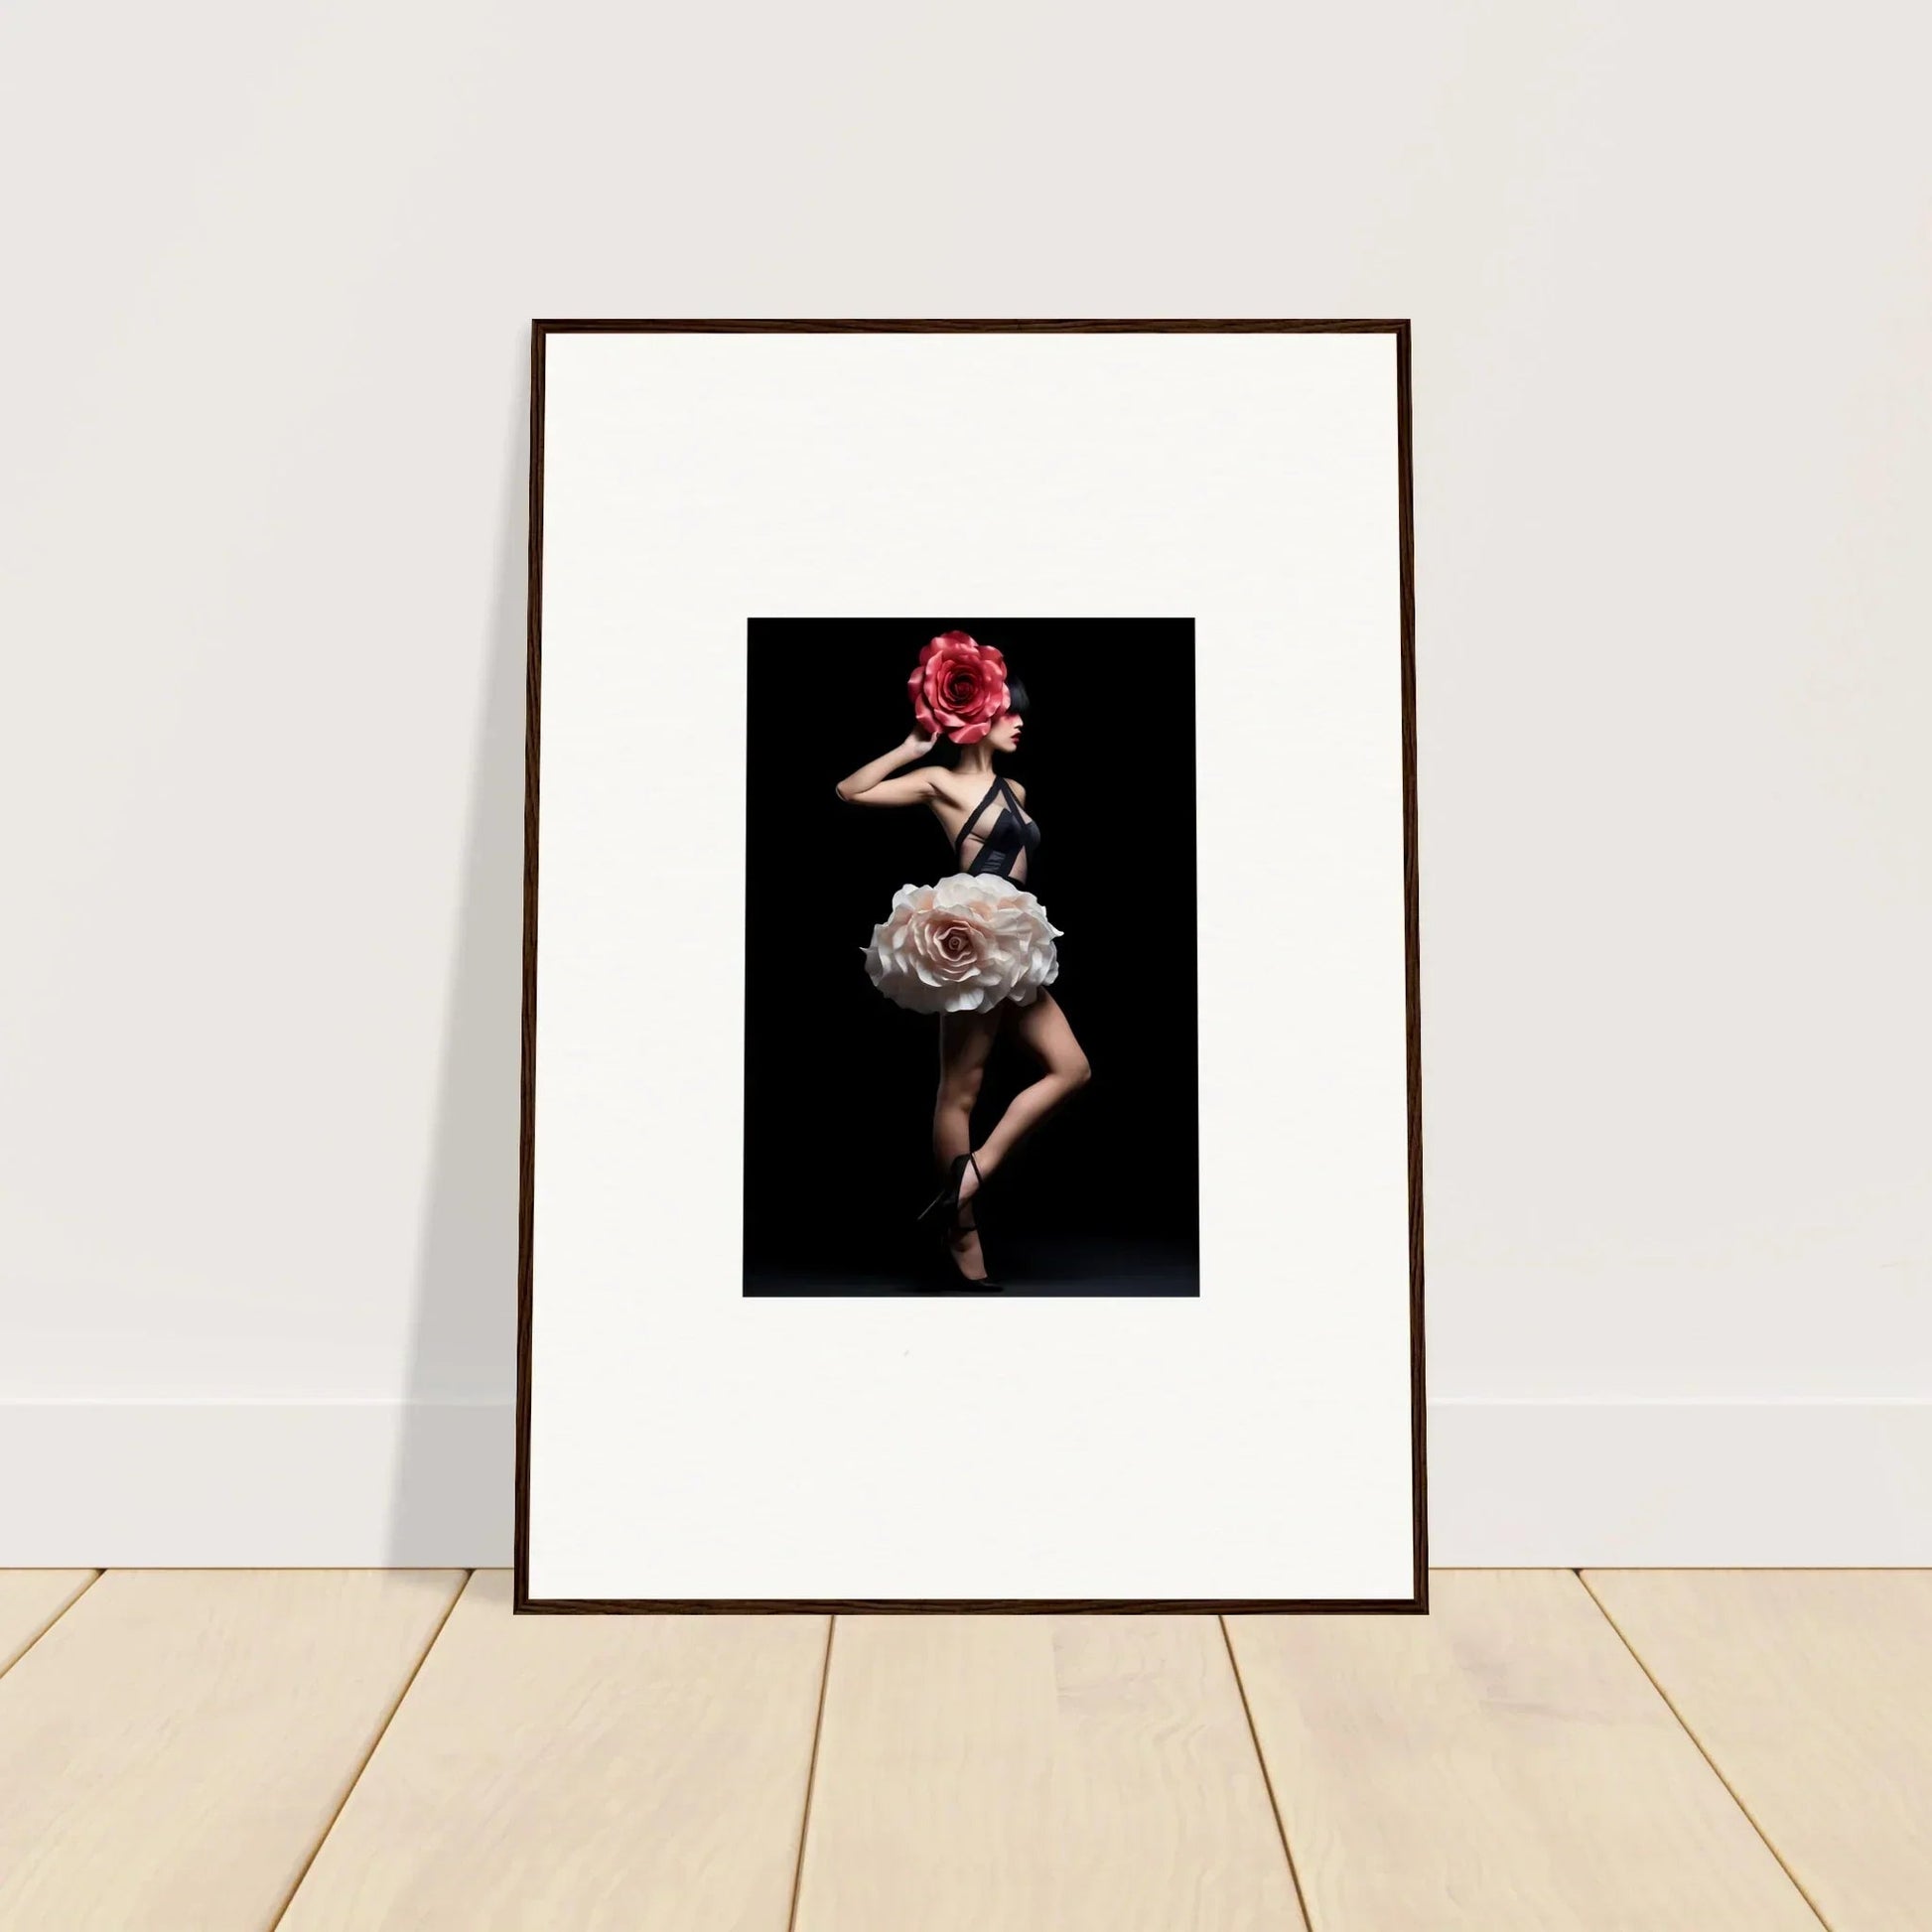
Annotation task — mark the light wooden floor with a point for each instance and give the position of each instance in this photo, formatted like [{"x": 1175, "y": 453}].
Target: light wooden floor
[{"x": 349, "y": 1752}]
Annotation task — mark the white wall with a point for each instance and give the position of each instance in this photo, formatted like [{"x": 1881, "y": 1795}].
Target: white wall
[{"x": 270, "y": 271}]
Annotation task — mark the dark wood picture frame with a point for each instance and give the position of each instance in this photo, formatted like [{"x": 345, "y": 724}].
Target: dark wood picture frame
[{"x": 1416, "y": 1602}]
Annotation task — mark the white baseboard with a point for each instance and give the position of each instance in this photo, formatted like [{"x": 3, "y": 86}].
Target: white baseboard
[
  {"x": 186, "y": 1484},
  {"x": 386, "y": 1482},
  {"x": 1691, "y": 1483}
]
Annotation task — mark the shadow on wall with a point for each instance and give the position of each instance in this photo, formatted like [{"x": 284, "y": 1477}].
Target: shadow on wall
[{"x": 451, "y": 1501}]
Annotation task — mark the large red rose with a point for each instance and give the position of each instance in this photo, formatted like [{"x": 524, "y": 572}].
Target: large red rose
[{"x": 959, "y": 687}]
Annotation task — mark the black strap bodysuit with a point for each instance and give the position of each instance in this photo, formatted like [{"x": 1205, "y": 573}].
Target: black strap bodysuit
[{"x": 1007, "y": 846}]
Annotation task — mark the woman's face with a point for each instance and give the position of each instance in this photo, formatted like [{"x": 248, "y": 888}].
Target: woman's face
[{"x": 1005, "y": 734}]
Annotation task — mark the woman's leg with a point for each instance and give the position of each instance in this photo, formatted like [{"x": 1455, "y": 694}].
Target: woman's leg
[
  {"x": 965, "y": 1041},
  {"x": 1042, "y": 1025}
]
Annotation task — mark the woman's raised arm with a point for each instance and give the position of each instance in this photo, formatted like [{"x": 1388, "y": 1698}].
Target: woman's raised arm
[{"x": 873, "y": 784}]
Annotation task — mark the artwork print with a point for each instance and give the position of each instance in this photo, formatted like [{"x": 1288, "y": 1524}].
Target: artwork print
[
  {"x": 971, "y": 1052},
  {"x": 970, "y": 1029}
]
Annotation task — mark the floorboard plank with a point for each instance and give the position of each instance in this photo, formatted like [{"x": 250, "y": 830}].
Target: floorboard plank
[
  {"x": 1812, "y": 1694},
  {"x": 1502, "y": 1765},
  {"x": 30, "y": 1600},
  {"x": 1039, "y": 1774},
  {"x": 174, "y": 1747},
  {"x": 581, "y": 1772}
]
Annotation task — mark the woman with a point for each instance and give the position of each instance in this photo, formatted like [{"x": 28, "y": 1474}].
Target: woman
[{"x": 976, "y": 947}]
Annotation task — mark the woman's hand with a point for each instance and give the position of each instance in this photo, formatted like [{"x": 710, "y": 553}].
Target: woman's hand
[{"x": 917, "y": 746}]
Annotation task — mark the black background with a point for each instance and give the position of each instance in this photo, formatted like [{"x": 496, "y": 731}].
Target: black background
[{"x": 1103, "y": 1198}]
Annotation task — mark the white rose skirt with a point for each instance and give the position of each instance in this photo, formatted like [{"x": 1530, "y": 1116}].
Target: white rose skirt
[{"x": 963, "y": 945}]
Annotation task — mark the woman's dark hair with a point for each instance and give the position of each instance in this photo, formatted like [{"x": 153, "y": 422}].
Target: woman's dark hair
[{"x": 946, "y": 753}]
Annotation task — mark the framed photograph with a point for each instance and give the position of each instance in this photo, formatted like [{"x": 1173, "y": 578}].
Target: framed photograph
[
  {"x": 972, "y": 1150},
  {"x": 972, "y": 1028}
]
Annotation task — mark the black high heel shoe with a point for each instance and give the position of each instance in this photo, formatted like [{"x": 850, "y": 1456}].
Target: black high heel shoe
[
  {"x": 948, "y": 1195},
  {"x": 949, "y": 1278}
]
